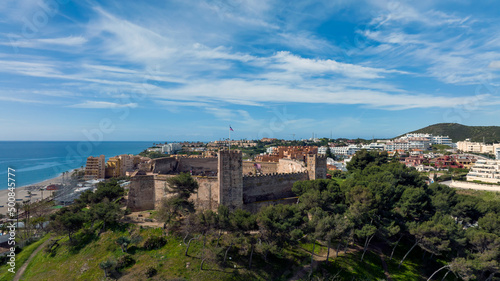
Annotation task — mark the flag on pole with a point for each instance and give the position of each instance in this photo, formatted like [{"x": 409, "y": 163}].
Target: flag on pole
[{"x": 231, "y": 129}]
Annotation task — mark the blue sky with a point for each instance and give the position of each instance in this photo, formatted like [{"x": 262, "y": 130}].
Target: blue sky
[{"x": 186, "y": 70}]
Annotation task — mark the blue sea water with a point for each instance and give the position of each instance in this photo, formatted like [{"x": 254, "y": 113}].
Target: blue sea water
[{"x": 36, "y": 161}]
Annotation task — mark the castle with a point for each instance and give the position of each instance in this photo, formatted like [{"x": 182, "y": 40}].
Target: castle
[{"x": 225, "y": 179}]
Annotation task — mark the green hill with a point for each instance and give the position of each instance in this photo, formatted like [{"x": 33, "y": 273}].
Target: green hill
[{"x": 459, "y": 132}]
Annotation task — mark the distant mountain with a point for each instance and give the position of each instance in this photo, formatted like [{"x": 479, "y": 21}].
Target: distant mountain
[{"x": 459, "y": 132}]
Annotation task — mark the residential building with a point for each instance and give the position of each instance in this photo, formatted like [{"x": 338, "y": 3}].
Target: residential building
[
  {"x": 271, "y": 149},
  {"x": 352, "y": 149},
  {"x": 95, "y": 168},
  {"x": 477, "y": 147},
  {"x": 345, "y": 150},
  {"x": 497, "y": 153},
  {"x": 446, "y": 161},
  {"x": 113, "y": 167},
  {"x": 445, "y": 140},
  {"x": 322, "y": 150},
  {"x": 171, "y": 148},
  {"x": 154, "y": 149},
  {"x": 485, "y": 171},
  {"x": 288, "y": 152}
]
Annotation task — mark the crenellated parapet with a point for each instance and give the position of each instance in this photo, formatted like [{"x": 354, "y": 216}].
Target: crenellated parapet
[{"x": 272, "y": 175}]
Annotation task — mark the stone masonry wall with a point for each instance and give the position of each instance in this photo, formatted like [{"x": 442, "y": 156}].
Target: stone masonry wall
[
  {"x": 166, "y": 165},
  {"x": 205, "y": 166},
  {"x": 142, "y": 193},
  {"x": 270, "y": 187},
  {"x": 208, "y": 193},
  {"x": 230, "y": 179},
  {"x": 291, "y": 166},
  {"x": 266, "y": 167}
]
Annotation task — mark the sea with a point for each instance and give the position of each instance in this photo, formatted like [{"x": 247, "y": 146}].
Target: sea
[{"x": 36, "y": 161}]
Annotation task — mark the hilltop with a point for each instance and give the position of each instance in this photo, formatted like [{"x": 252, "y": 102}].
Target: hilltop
[{"x": 459, "y": 132}]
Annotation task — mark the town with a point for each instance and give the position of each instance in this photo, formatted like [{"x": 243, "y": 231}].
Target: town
[{"x": 245, "y": 190}]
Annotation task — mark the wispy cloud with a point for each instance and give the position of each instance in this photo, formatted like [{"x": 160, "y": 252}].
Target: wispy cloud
[{"x": 103, "y": 105}]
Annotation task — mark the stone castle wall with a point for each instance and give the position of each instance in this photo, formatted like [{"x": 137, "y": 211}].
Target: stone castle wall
[
  {"x": 207, "y": 197},
  {"x": 270, "y": 187},
  {"x": 266, "y": 167},
  {"x": 291, "y": 166},
  {"x": 166, "y": 165},
  {"x": 229, "y": 186},
  {"x": 230, "y": 167},
  {"x": 141, "y": 195},
  {"x": 204, "y": 166}
]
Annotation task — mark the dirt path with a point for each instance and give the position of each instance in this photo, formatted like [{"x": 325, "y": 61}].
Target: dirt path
[{"x": 21, "y": 270}]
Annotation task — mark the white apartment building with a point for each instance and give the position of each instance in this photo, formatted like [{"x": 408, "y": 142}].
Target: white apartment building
[
  {"x": 416, "y": 141},
  {"x": 486, "y": 171},
  {"x": 497, "y": 153},
  {"x": 442, "y": 140},
  {"x": 270, "y": 149},
  {"x": 154, "y": 149},
  {"x": 352, "y": 149},
  {"x": 345, "y": 150},
  {"x": 408, "y": 144},
  {"x": 477, "y": 147},
  {"x": 171, "y": 148},
  {"x": 322, "y": 150}
]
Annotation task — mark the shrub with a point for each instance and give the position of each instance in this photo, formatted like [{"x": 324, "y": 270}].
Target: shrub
[
  {"x": 151, "y": 271},
  {"x": 124, "y": 262},
  {"x": 154, "y": 242}
]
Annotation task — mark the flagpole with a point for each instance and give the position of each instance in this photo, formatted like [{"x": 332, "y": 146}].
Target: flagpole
[{"x": 229, "y": 140}]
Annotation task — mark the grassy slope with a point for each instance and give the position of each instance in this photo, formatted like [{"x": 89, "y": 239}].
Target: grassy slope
[
  {"x": 21, "y": 257},
  {"x": 458, "y": 132},
  {"x": 485, "y": 195},
  {"x": 169, "y": 261}
]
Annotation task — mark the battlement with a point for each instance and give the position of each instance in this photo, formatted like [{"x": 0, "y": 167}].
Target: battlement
[
  {"x": 230, "y": 152},
  {"x": 195, "y": 157},
  {"x": 317, "y": 155},
  {"x": 274, "y": 175}
]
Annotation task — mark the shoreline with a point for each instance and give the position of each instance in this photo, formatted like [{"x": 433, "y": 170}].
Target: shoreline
[{"x": 37, "y": 191}]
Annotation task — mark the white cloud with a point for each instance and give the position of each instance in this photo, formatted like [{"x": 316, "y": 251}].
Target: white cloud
[
  {"x": 102, "y": 104},
  {"x": 269, "y": 92},
  {"x": 294, "y": 63},
  {"x": 494, "y": 64}
]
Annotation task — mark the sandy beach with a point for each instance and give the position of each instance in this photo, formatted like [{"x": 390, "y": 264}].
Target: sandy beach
[{"x": 35, "y": 189}]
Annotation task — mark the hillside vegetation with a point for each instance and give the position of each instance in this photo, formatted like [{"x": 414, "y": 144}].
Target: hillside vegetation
[
  {"x": 382, "y": 222},
  {"x": 458, "y": 132}
]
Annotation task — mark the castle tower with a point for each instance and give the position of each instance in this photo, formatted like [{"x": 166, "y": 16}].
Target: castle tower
[
  {"x": 316, "y": 166},
  {"x": 230, "y": 176}
]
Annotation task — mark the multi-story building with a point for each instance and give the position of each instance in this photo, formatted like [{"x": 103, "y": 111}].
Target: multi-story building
[
  {"x": 238, "y": 143},
  {"x": 123, "y": 165},
  {"x": 497, "y": 153},
  {"x": 113, "y": 167},
  {"x": 477, "y": 147},
  {"x": 485, "y": 171},
  {"x": 95, "y": 168},
  {"x": 445, "y": 140},
  {"x": 352, "y": 149},
  {"x": 171, "y": 148},
  {"x": 271, "y": 149},
  {"x": 288, "y": 152},
  {"x": 322, "y": 150},
  {"x": 345, "y": 150}
]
